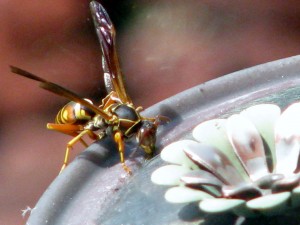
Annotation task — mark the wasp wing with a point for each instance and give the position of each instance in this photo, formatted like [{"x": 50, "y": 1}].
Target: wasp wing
[
  {"x": 110, "y": 63},
  {"x": 55, "y": 88}
]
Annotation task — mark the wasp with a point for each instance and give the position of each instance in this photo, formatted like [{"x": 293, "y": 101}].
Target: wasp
[{"x": 116, "y": 115}]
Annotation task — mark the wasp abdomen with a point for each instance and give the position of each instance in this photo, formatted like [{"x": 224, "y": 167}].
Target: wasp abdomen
[{"x": 74, "y": 113}]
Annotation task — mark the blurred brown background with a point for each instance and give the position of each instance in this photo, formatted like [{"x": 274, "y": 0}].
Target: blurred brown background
[{"x": 165, "y": 47}]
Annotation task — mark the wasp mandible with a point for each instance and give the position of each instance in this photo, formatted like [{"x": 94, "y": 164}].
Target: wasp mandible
[{"x": 116, "y": 115}]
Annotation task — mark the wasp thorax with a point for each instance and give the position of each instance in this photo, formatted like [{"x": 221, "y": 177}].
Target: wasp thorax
[
  {"x": 128, "y": 119},
  {"x": 74, "y": 113}
]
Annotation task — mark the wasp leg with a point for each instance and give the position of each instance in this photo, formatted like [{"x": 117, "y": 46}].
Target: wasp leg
[
  {"x": 118, "y": 137},
  {"x": 77, "y": 131},
  {"x": 73, "y": 142}
]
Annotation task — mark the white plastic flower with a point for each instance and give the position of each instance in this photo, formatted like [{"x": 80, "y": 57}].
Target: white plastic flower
[{"x": 247, "y": 164}]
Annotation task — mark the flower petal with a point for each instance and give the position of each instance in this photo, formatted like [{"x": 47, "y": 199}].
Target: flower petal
[
  {"x": 214, "y": 161},
  {"x": 196, "y": 178},
  {"x": 264, "y": 116},
  {"x": 267, "y": 181},
  {"x": 270, "y": 204},
  {"x": 218, "y": 205},
  {"x": 185, "y": 195},
  {"x": 173, "y": 153},
  {"x": 287, "y": 138},
  {"x": 246, "y": 192},
  {"x": 169, "y": 175},
  {"x": 296, "y": 197},
  {"x": 248, "y": 145},
  {"x": 203, "y": 180},
  {"x": 213, "y": 132},
  {"x": 286, "y": 184}
]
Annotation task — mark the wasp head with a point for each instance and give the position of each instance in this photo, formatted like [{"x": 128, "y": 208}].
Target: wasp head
[{"x": 146, "y": 136}]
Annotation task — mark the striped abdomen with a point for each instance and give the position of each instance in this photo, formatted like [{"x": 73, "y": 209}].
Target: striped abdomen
[{"x": 74, "y": 113}]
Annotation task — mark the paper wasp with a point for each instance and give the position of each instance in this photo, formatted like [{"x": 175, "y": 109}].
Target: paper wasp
[{"x": 116, "y": 115}]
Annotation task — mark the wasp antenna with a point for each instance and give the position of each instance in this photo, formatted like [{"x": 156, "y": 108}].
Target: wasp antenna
[
  {"x": 59, "y": 90},
  {"x": 25, "y": 73},
  {"x": 56, "y": 89}
]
